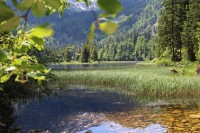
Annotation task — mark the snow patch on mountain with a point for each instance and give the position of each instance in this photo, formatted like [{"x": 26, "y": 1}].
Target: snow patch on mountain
[{"x": 81, "y": 6}]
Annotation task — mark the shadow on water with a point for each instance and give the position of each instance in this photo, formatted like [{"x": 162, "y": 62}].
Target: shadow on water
[
  {"x": 6, "y": 116},
  {"x": 58, "y": 111},
  {"x": 13, "y": 98}
]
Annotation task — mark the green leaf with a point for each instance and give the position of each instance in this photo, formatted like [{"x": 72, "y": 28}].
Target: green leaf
[
  {"x": 6, "y": 77},
  {"x": 1, "y": 89},
  {"x": 10, "y": 24},
  {"x": 119, "y": 19},
  {"x": 36, "y": 35},
  {"x": 5, "y": 12},
  {"x": 91, "y": 33},
  {"x": 17, "y": 62},
  {"x": 87, "y": 2},
  {"x": 41, "y": 31},
  {"x": 35, "y": 76},
  {"x": 3, "y": 55},
  {"x": 108, "y": 27},
  {"x": 110, "y": 6},
  {"x": 56, "y": 4},
  {"x": 38, "y": 9},
  {"x": 38, "y": 67},
  {"x": 41, "y": 78},
  {"x": 37, "y": 42}
]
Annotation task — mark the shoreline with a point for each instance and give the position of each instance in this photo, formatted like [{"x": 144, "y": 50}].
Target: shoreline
[{"x": 141, "y": 79}]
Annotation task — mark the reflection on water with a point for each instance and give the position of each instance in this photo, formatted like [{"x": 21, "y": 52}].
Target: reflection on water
[
  {"x": 112, "y": 65},
  {"x": 56, "y": 113},
  {"x": 81, "y": 110},
  {"x": 111, "y": 127}
]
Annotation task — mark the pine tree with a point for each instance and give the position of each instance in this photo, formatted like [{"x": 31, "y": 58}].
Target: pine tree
[
  {"x": 140, "y": 48},
  {"x": 93, "y": 53},
  {"x": 198, "y": 37},
  {"x": 111, "y": 52},
  {"x": 119, "y": 53},
  {"x": 100, "y": 54},
  {"x": 85, "y": 53},
  {"x": 68, "y": 54},
  {"x": 170, "y": 28},
  {"x": 78, "y": 54},
  {"x": 189, "y": 38}
]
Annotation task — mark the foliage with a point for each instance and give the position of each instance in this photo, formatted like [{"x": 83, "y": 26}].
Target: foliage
[
  {"x": 68, "y": 54},
  {"x": 148, "y": 20},
  {"x": 136, "y": 39},
  {"x": 198, "y": 37},
  {"x": 93, "y": 53},
  {"x": 78, "y": 55},
  {"x": 85, "y": 54},
  {"x": 122, "y": 44},
  {"x": 14, "y": 48},
  {"x": 177, "y": 29},
  {"x": 164, "y": 62}
]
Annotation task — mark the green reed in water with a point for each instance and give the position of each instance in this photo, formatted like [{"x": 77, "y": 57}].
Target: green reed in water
[{"x": 139, "y": 80}]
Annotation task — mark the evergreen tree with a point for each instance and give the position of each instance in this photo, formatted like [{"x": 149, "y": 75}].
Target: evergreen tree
[
  {"x": 68, "y": 54},
  {"x": 106, "y": 52},
  {"x": 198, "y": 37},
  {"x": 189, "y": 38},
  {"x": 100, "y": 54},
  {"x": 119, "y": 53},
  {"x": 78, "y": 54},
  {"x": 140, "y": 48},
  {"x": 111, "y": 52},
  {"x": 128, "y": 51},
  {"x": 93, "y": 53},
  {"x": 85, "y": 53},
  {"x": 170, "y": 28}
]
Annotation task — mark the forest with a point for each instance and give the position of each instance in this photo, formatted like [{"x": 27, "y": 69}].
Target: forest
[
  {"x": 146, "y": 36},
  {"x": 97, "y": 66}
]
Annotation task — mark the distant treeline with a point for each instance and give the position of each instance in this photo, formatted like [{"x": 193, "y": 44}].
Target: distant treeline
[{"x": 163, "y": 29}]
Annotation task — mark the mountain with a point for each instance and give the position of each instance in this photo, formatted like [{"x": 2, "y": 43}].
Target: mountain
[
  {"x": 74, "y": 25},
  {"x": 81, "y": 6},
  {"x": 133, "y": 41}
]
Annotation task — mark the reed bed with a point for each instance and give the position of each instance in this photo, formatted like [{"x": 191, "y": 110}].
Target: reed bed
[{"x": 139, "y": 80}]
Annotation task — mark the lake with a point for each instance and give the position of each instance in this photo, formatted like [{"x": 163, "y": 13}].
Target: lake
[
  {"x": 103, "y": 65},
  {"x": 82, "y": 110},
  {"x": 78, "y": 109}
]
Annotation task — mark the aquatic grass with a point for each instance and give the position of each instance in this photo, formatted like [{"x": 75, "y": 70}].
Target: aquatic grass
[{"x": 139, "y": 80}]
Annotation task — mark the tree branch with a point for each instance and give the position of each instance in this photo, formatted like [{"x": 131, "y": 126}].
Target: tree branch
[
  {"x": 25, "y": 17},
  {"x": 95, "y": 16}
]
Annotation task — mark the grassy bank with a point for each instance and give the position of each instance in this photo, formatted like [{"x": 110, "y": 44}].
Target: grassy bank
[{"x": 141, "y": 79}]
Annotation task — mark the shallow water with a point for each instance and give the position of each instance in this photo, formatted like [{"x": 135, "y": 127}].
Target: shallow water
[{"x": 81, "y": 110}]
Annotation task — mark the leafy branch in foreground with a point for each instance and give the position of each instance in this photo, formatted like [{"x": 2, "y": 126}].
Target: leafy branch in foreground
[
  {"x": 106, "y": 21},
  {"x": 14, "y": 48}
]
